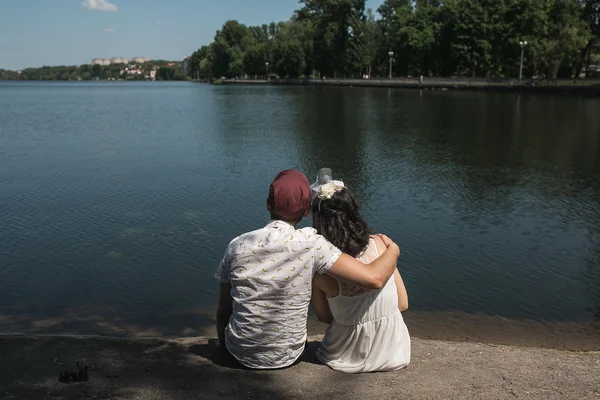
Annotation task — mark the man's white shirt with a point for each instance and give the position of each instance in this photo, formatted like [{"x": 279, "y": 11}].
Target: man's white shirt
[{"x": 270, "y": 271}]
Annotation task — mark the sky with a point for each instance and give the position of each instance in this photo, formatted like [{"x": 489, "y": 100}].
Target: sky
[{"x": 34, "y": 33}]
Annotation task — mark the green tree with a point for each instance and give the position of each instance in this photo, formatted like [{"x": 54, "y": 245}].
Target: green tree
[
  {"x": 96, "y": 71},
  {"x": 228, "y": 49},
  {"x": 591, "y": 16},
  {"x": 339, "y": 43},
  {"x": 255, "y": 59},
  {"x": 340, "y": 38},
  {"x": 170, "y": 73},
  {"x": 293, "y": 49},
  {"x": 568, "y": 34},
  {"x": 372, "y": 41},
  {"x": 7, "y": 75},
  {"x": 303, "y": 32},
  {"x": 291, "y": 61}
]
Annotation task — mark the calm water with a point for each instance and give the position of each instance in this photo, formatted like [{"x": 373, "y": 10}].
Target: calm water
[{"x": 118, "y": 200}]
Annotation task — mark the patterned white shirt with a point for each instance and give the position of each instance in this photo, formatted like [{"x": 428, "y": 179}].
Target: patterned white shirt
[{"x": 270, "y": 271}]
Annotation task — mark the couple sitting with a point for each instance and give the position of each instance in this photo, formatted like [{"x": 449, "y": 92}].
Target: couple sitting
[{"x": 269, "y": 276}]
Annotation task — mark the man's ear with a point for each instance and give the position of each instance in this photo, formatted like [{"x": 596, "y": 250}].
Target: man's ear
[
  {"x": 307, "y": 213},
  {"x": 268, "y": 206}
]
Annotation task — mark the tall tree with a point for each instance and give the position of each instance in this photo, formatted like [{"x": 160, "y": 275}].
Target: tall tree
[
  {"x": 339, "y": 37},
  {"x": 428, "y": 37},
  {"x": 255, "y": 59},
  {"x": 372, "y": 41},
  {"x": 228, "y": 49},
  {"x": 568, "y": 34}
]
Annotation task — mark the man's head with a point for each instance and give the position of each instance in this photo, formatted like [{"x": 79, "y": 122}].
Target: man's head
[{"x": 289, "y": 196}]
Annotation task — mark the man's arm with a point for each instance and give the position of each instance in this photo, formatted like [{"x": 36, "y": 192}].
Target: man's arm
[
  {"x": 369, "y": 276},
  {"x": 224, "y": 311}
]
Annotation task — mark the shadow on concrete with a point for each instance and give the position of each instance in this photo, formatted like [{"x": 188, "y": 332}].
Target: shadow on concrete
[
  {"x": 158, "y": 369},
  {"x": 224, "y": 359},
  {"x": 217, "y": 356},
  {"x": 107, "y": 322},
  {"x": 136, "y": 368},
  {"x": 309, "y": 355}
]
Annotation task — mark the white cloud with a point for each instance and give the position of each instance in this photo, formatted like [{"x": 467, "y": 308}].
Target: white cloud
[
  {"x": 100, "y": 5},
  {"x": 110, "y": 30},
  {"x": 157, "y": 22}
]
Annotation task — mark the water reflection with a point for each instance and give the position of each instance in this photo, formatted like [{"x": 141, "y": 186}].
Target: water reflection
[
  {"x": 479, "y": 188},
  {"x": 331, "y": 125}
]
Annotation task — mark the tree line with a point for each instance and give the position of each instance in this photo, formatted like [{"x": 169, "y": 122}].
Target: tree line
[
  {"x": 8, "y": 75},
  {"x": 87, "y": 72},
  {"x": 463, "y": 38}
]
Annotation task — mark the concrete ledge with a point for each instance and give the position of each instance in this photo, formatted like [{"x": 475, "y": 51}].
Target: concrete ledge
[
  {"x": 152, "y": 368},
  {"x": 431, "y": 84}
]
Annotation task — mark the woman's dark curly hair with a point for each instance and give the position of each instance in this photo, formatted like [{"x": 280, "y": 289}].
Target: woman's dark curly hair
[{"x": 338, "y": 220}]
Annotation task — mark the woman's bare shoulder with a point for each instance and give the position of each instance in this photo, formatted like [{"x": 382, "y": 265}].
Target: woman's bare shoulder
[{"x": 379, "y": 244}]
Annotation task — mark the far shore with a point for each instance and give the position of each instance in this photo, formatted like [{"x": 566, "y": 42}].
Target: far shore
[
  {"x": 582, "y": 87},
  {"x": 193, "y": 368}
]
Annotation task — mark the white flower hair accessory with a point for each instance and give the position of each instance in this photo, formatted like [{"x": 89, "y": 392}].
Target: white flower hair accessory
[
  {"x": 325, "y": 187},
  {"x": 327, "y": 190}
]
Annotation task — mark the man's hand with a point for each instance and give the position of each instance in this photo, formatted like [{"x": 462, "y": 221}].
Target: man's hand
[
  {"x": 389, "y": 243},
  {"x": 372, "y": 276}
]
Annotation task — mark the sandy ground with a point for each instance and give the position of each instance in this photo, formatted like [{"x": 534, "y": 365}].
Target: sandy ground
[{"x": 194, "y": 369}]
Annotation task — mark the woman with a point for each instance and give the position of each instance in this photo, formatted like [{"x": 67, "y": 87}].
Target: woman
[{"x": 367, "y": 331}]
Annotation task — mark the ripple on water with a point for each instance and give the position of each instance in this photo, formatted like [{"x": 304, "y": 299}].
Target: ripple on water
[{"x": 124, "y": 197}]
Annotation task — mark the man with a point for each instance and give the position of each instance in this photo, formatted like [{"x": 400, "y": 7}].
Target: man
[{"x": 266, "y": 279}]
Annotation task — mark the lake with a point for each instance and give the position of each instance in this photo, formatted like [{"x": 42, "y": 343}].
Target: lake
[{"x": 117, "y": 201}]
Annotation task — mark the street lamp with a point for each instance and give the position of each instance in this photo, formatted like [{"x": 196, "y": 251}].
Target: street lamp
[
  {"x": 267, "y": 67},
  {"x": 391, "y": 54},
  {"x": 522, "y": 44}
]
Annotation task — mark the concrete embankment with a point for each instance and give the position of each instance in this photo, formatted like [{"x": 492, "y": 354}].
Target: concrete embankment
[
  {"x": 569, "y": 88},
  {"x": 128, "y": 368}
]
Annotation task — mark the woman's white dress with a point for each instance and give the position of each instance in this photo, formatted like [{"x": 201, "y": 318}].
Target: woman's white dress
[{"x": 368, "y": 333}]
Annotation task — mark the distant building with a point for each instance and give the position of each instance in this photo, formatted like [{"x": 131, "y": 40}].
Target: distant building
[
  {"x": 100, "y": 61},
  {"x": 118, "y": 60},
  {"x": 141, "y": 60}
]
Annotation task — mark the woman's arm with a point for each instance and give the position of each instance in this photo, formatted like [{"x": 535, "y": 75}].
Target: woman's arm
[
  {"x": 402, "y": 294},
  {"x": 318, "y": 301}
]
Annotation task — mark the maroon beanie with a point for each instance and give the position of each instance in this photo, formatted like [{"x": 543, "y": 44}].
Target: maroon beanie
[{"x": 289, "y": 195}]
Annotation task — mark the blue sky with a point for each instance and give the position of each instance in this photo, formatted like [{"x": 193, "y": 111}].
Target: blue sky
[{"x": 67, "y": 32}]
